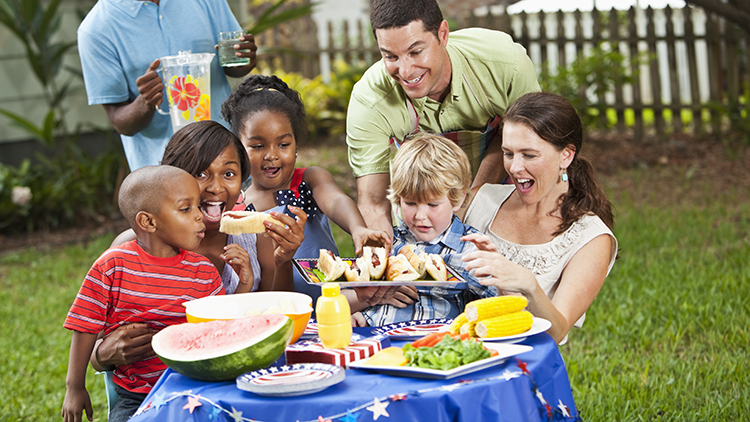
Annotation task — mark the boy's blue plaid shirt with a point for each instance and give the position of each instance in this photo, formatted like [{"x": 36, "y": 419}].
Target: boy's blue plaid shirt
[{"x": 434, "y": 302}]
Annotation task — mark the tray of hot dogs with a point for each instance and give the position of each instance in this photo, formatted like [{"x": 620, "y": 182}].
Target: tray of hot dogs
[{"x": 376, "y": 268}]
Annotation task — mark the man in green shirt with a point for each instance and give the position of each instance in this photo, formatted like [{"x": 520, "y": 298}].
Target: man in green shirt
[{"x": 426, "y": 82}]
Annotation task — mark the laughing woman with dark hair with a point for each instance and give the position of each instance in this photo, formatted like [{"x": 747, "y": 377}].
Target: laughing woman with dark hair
[{"x": 548, "y": 236}]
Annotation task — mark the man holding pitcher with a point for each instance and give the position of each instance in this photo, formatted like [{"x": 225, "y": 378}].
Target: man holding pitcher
[{"x": 120, "y": 43}]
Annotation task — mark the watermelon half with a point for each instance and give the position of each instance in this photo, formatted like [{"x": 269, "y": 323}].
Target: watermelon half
[{"x": 223, "y": 350}]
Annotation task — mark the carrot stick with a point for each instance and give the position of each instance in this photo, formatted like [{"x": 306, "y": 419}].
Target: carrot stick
[
  {"x": 420, "y": 342},
  {"x": 433, "y": 341}
]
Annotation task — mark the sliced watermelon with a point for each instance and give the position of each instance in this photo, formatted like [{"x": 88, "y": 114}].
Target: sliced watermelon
[{"x": 223, "y": 350}]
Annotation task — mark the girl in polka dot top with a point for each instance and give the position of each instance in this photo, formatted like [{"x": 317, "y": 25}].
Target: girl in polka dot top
[{"x": 269, "y": 119}]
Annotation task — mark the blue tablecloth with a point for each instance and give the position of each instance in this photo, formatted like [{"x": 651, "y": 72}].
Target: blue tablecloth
[{"x": 533, "y": 386}]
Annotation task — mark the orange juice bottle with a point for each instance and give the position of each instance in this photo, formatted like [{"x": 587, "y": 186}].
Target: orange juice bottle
[{"x": 334, "y": 318}]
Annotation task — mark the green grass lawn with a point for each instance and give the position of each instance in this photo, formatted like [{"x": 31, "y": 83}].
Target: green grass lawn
[{"x": 666, "y": 339}]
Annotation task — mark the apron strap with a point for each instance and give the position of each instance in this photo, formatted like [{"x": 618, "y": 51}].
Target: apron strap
[
  {"x": 471, "y": 79},
  {"x": 414, "y": 118}
]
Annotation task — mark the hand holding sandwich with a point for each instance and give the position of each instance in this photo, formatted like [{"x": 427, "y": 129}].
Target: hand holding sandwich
[{"x": 284, "y": 240}]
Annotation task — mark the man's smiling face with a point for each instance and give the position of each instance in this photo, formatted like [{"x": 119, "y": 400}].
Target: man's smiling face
[{"x": 417, "y": 59}]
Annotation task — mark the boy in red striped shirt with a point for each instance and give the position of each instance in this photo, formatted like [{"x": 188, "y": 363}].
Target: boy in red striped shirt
[{"x": 146, "y": 280}]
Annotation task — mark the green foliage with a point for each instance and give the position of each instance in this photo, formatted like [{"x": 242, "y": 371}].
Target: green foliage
[
  {"x": 36, "y": 23},
  {"x": 66, "y": 190},
  {"x": 325, "y": 103},
  {"x": 70, "y": 187},
  {"x": 738, "y": 113},
  {"x": 276, "y": 15},
  {"x": 593, "y": 76}
]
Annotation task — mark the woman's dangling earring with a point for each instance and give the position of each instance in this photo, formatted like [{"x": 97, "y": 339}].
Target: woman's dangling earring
[{"x": 564, "y": 176}]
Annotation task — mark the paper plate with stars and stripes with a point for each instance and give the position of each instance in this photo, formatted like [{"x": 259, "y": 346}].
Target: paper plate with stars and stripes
[
  {"x": 291, "y": 380},
  {"x": 412, "y": 330}
]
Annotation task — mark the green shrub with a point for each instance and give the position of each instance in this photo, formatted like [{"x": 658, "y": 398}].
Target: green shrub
[
  {"x": 325, "y": 103},
  {"x": 67, "y": 190},
  {"x": 592, "y": 76}
]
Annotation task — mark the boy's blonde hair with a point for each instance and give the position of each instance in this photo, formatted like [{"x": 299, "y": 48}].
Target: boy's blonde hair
[{"x": 427, "y": 167}]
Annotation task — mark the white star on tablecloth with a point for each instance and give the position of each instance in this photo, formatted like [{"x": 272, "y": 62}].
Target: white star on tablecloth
[
  {"x": 450, "y": 387},
  {"x": 236, "y": 414},
  {"x": 563, "y": 408},
  {"x": 540, "y": 396},
  {"x": 378, "y": 409},
  {"x": 510, "y": 375}
]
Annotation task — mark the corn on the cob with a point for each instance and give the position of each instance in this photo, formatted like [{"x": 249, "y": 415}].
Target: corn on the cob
[
  {"x": 505, "y": 325},
  {"x": 457, "y": 323},
  {"x": 494, "y": 306},
  {"x": 469, "y": 327}
]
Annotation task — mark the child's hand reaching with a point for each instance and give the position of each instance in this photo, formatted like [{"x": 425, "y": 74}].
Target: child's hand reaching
[
  {"x": 362, "y": 236},
  {"x": 76, "y": 401},
  {"x": 237, "y": 257}
]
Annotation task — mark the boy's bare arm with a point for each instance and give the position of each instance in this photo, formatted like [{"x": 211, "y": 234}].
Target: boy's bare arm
[{"x": 76, "y": 397}]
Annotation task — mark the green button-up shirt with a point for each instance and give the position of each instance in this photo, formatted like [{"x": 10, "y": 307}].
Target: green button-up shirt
[{"x": 489, "y": 71}]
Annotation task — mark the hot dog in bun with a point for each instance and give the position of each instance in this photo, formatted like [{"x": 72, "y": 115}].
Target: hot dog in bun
[
  {"x": 240, "y": 222},
  {"x": 435, "y": 267},
  {"x": 376, "y": 260},
  {"x": 399, "y": 269},
  {"x": 358, "y": 271},
  {"x": 330, "y": 265},
  {"x": 416, "y": 259}
]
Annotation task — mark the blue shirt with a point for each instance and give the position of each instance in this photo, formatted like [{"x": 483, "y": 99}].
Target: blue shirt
[
  {"x": 434, "y": 302},
  {"x": 118, "y": 40}
]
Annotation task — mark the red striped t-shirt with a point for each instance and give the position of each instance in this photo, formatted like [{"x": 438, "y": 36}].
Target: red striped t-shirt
[{"x": 126, "y": 285}]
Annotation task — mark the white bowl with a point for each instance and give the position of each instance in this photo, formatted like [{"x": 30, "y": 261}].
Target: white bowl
[{"x": 239, "y": 305}]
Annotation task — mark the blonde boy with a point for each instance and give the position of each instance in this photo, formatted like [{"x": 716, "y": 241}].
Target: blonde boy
[{"x": 430, "y": 179}]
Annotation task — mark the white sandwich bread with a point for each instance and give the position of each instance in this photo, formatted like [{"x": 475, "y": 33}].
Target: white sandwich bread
[
  {"x": 376, "y": 260},
  {"x": 416, "y": 259},
  {"x": 435, "y": 267},
  {"x": 358, "y": 271},
  {"x": 330, "y": 265},
  {"x": 241, "y": 222},
  {"x": 399, "y": 269}
]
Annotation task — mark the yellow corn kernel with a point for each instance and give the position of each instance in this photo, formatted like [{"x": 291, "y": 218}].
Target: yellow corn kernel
[
  {"x": 494, "y": 306},
  {"x": 505, "y": 325},
  {"x": 469, "y": 327},
  {"x": 457, "y": 323}
]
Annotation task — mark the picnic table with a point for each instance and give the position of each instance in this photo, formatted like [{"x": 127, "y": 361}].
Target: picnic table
[{"x": 532, "y": 386}]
